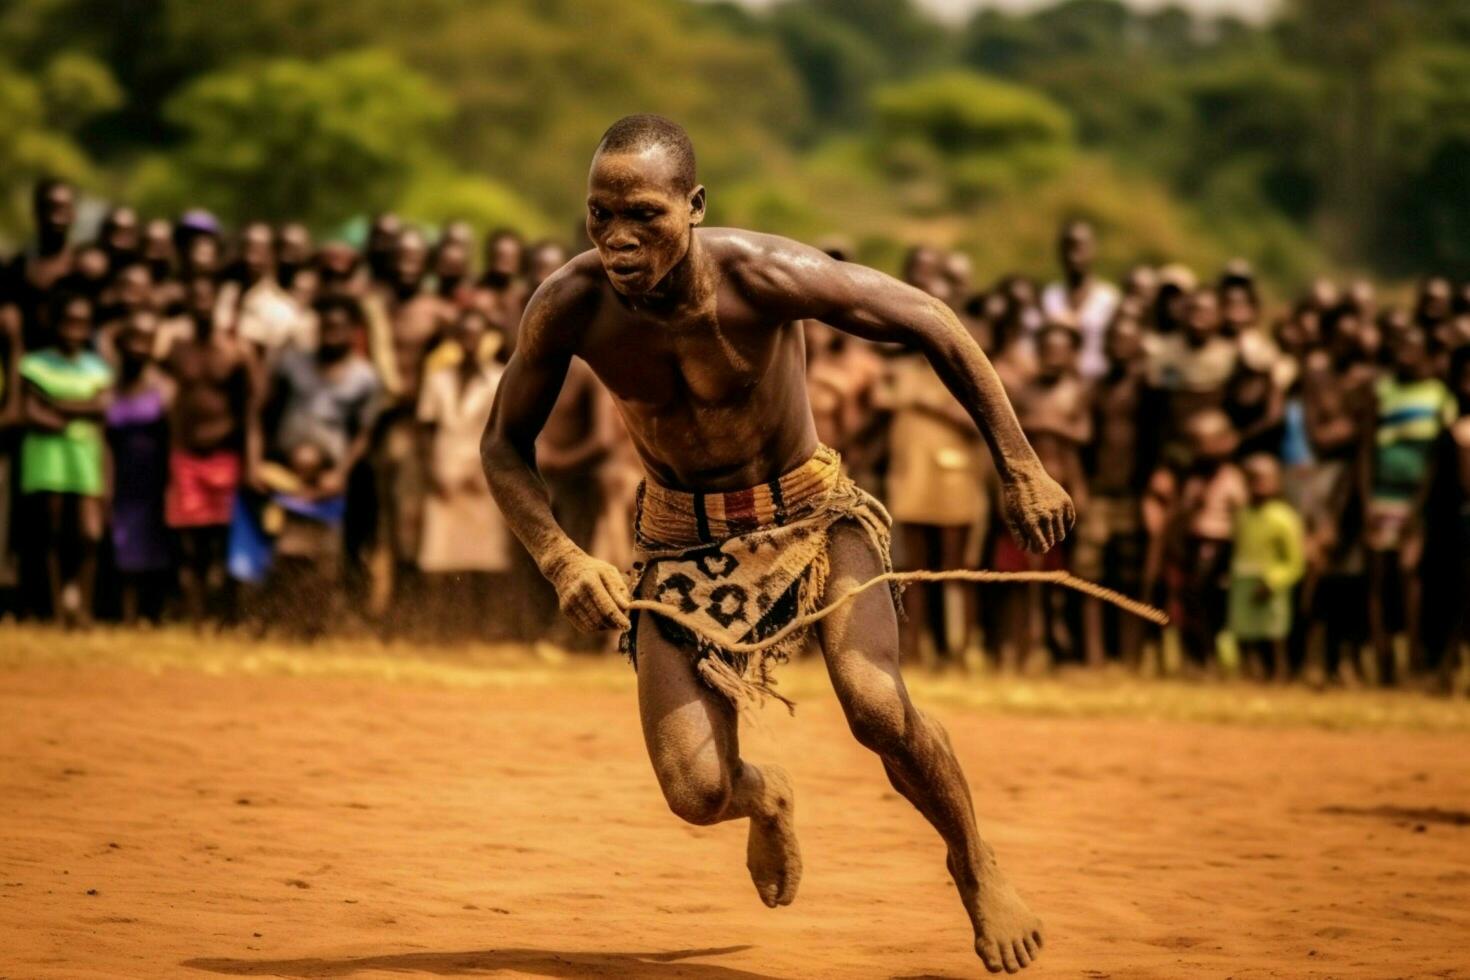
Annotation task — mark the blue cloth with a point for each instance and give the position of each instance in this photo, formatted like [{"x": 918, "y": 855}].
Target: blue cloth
[{"x": 1296, "y": 448}]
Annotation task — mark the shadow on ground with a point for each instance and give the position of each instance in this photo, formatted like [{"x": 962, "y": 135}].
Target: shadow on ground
[{"x": 537, "y": 962}]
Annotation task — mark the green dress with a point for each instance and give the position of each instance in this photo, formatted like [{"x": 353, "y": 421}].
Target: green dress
[
  {"x": 1268, "y": 551},
  {"x": 69, "y": 461}
]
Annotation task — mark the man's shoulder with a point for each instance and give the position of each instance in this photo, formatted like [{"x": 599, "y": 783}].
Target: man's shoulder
[
  {"x": 738, "y": 249},
  {"x": 758, "y": 265}
]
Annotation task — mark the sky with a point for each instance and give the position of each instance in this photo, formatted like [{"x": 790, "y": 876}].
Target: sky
[{"x": 959, "y": 9}]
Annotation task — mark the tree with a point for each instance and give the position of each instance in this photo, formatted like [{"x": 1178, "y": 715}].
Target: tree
[
  {"x": 958, "y": 138},
  {"x": 42, "y": 116},
  {"x": 295, "y": 139}
]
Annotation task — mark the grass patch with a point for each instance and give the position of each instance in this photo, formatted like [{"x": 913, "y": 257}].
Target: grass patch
[{"x": 1068, "y": 693}]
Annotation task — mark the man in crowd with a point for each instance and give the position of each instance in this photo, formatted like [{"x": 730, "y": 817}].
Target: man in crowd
[
  {"x": 1081, "y": 298},
  {"x": 215, "y": 376}
]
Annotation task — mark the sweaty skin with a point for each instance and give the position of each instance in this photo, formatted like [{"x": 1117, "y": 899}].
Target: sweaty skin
[{"x": 696, "y": 334}]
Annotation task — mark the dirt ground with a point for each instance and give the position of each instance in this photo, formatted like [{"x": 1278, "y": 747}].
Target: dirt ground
[{"x": 170, "y": 822}]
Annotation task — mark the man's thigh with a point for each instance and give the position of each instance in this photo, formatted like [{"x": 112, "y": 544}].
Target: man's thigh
[
  {"x": 690, "y": 729},
  {"x": 860, "y": 639}
]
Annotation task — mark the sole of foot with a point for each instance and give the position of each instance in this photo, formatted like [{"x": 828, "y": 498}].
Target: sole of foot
[{"x": 772, "y": 853}]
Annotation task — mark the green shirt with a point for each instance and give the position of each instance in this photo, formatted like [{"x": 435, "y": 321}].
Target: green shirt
[
  {"x": 1268, "y": 545},
  {"x": 1411, "y": 416},
  {"x": 69, "y": 461}
]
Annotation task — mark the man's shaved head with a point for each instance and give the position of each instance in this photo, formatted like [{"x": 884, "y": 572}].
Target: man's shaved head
[{"x": 632, "y": 134}]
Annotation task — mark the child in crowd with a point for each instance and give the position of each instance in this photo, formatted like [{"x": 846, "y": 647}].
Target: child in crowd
[
  {"x": 1266, "y": 564},
  {"x": 1191, "y": 522},
  {"x": 304, "y": 514},
  {"x": 1411, "y": 409},
  {"x": 137, "y": 435},
  {"x": 62, "y": 453}
]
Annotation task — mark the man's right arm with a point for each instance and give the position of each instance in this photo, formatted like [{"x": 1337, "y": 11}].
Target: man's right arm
[{"x": 592, "y": 593}]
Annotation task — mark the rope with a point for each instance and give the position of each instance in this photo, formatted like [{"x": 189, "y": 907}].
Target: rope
[{"x": 1140, "y": 609}]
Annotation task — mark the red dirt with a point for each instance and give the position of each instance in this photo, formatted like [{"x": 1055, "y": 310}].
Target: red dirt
[{"x": 185, "y": 825}]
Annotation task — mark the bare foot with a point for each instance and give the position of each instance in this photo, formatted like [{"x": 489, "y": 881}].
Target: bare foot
[
  {"x": 1007, "y": 935},
  {"x": 771, "y": 851}
]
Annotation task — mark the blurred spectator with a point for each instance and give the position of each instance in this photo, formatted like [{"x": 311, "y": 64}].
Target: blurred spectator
[
  {"x": 1266, "y": 564},
  {"x": 61, "y": 460},
  {"x": 1081, "y": 299}
]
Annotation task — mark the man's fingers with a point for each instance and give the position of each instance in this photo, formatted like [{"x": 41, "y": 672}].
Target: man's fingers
[
  {"x": 606, "y": 610},
  {"x": 617, "y": 587}
]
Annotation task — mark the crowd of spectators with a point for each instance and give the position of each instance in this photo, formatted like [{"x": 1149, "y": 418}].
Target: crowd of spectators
[{"x": 268, "y": 433}]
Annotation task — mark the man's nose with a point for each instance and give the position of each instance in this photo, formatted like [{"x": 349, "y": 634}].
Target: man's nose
[{"x": 621, "y": 240}]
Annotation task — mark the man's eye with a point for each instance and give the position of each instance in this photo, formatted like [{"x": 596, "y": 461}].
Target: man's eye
[
  {"x": 643, "y": 214},
  {"x": 598, "y": 214}
]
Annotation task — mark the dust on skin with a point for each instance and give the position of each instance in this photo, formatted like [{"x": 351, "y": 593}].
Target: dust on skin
[{"x": 697, "y": 335}]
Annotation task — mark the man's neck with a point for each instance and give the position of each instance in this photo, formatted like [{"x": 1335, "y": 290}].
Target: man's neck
[
  {"x": 1078, "y": 279},
  {"x": 686, "y": 285}
]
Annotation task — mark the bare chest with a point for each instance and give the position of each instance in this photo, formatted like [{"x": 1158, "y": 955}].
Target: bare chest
[{"x": 712, "y": 360}]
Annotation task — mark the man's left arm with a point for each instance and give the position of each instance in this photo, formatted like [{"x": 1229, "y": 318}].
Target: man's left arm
[{"x": 799, "y": 282}]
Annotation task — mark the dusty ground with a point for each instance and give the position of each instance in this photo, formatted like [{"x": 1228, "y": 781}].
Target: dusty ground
[{"x": 159, "y": 822}]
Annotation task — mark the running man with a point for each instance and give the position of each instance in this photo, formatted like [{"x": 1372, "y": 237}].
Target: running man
[{"x": 744, "y": 520}]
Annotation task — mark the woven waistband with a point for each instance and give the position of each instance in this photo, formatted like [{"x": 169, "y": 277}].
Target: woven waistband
[{"x": 678, "y": 519}]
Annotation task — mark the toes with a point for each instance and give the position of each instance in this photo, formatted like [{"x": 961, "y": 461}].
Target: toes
[
  {"x": 990, "y": 956},
  {"x": 1032, "y": 949},
  {"x": 1022, "y": 957},
  {"x": 1036, "y": 938},
  {"x": 768, "y": 895},
  {"x": 787, "y": 894},
  {"x": 1008, "y": 957}
]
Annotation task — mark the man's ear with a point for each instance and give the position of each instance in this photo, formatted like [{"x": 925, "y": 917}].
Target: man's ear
[{"x": 696, "y": 205}]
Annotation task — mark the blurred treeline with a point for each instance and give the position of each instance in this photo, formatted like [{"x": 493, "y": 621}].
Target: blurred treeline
[{"x": 1336, "y": 136}]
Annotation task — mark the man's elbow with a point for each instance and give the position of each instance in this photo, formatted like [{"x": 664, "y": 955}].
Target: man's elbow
[{"x": 499, "y": 455}]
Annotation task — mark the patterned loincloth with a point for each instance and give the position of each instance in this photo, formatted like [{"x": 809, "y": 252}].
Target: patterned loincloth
[{"x": 744, "y": 564}]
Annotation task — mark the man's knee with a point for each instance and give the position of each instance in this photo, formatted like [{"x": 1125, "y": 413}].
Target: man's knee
[
  {"x": 700, "y": 799},
  {"x": 880, "y": 720}
]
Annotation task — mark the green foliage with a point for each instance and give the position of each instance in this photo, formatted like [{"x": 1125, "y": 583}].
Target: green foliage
[
  {"x": 958, "y": 138},
  {"x": 1340, "y": 122},
  {"x": 41, "y": 115},
  {"x": 288, "y": 138}
]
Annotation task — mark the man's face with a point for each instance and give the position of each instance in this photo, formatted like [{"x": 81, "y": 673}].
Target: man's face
[
  {"x": 410, "y": 259},
  {"x": 544, "y": 261},
  {"x": 1056, "y": 353},
  {"x": 120, "y": 231},
  {"x": 639, "y": 217},
  {"x": 1435, "y": 299},
  {"x": 1409, "y": 349},
  {"x": 256, "y": 250},
  {"x": 132, "y": 287},
  {"x": 335, "y": 330},
  {"x": 293, "y": 245},
  {"x": 384, "y": 232},
  {"x": 56, "y": 210},
  {"x": 203, "y": 256},
  {"x": 135, "y": 344},
  {"x": 1078, "y": 247},
  {"x": 1202, "y": 316},
  {"x": 158, "y": 241},
  {"x": 451, "y": 260},
  {"x": 74, "y": 329},
  {"x": 1239, "y": 310},
  {"x": 1124, "y": 343},
  {"x": 200, "y": 298},
  {"x": 503, "y": 256}
]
